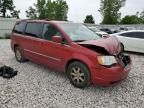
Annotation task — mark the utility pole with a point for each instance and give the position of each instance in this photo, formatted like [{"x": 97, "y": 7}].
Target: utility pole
[{"x": 0, "y": 3}]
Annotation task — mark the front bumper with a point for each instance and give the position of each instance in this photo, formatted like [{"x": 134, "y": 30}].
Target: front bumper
[{"x": 105, "y": 76}]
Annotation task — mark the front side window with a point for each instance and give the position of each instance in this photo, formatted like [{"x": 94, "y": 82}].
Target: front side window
[
  {"x": 127, "y": 34},
  {"x": 78, "y": 32},
  {"x": 49, "y": 31},
  {"x": 34, "y": 29},
  {"x": 139, "y": 35},
  {"x": 19, "y": 27},
  {"x": 134, "y": 35}
]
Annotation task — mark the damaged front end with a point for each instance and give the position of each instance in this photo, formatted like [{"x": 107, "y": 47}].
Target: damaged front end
[
  {"x": 109, "y": 49},
  {"x": 107, "y": 59},
  {"x": 124, "y": 59},
  {"x": 97, "y": 49}
]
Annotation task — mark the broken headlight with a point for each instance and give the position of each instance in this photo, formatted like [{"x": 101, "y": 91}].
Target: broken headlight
[{"x": 106, "y": 60}]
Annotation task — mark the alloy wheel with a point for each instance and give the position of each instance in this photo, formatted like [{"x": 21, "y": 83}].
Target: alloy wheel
[
  {"x": 77, "y": 75},
  {"x": 18, "y": 54}
]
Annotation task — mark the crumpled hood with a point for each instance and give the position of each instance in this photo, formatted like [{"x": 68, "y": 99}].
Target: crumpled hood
[{"x": 110, "y": 44}]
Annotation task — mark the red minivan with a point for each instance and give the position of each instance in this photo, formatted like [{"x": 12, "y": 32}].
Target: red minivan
[{"x": 72, "y": 48}]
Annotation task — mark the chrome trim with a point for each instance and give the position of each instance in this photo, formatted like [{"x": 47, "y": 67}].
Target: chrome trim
[{"x": 43, "y": 55}]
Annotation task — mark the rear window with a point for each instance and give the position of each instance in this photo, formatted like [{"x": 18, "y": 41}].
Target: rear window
[
  {"x": 34, "y": 29},
  {"x": 19, "y": 27}
]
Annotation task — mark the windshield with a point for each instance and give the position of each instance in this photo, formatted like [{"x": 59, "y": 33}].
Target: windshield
[
  {"x": 78, "y": 32},
  {"x": 94, "y": 29}
]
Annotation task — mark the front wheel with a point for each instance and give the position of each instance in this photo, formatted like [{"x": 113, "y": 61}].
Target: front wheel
[
  {"x": 122, "y": 47},
  {"x": 78, "y": 74}
]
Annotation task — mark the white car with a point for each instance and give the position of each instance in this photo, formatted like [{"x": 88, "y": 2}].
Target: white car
[
  {"x": 133, "y": 40},
  {"x": 99, "y": 32}
]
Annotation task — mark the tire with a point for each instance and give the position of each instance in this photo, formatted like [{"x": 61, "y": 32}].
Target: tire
[
  {"x": 1, "y": 71},
  {"x": 18, "y": 55},
  {"x": 122, "y": 47},
  {"x": 78, "y": 74}
]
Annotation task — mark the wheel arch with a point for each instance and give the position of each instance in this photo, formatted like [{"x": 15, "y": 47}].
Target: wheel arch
[
  {"x": 73, "y": 60},
  {"x": 15, "y": 45},
  {"x": 88, "y": 65}
]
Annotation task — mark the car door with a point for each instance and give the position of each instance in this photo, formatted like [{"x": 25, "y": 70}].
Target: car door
[
  {"x": 133, "y": 41},
  {"x": 21, "y": 39},
  {"x": 55, "y": 54},
  {"x": 138, "y": 41},
  {"x": 126, "y": 40},
  {"x": 33, "y": 34}
]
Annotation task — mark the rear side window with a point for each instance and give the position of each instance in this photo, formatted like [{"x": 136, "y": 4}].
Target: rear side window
[
  {"x": 20, "y": 27},
  {"x": 127, "y": 34},
  {"x": 139, "y": 35},
  {"x": 34, "y": 29}
]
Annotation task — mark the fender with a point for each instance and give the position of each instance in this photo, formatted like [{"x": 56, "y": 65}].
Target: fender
[{"x": 82, "y": 58}]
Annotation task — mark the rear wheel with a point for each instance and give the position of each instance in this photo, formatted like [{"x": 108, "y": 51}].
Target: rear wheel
[
  {"x": 78, "y": 74},
  {"x": 18, "y": 55}
]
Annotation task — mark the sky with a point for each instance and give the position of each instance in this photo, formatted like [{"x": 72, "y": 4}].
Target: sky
[{"x": 78, "y": 9}]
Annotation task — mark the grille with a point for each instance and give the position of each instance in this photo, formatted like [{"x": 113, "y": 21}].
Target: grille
[{"x": 124, "y": 58}]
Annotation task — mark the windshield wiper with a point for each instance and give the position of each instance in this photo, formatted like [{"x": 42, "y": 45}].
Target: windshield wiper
[{"x": 79, "y": 40}]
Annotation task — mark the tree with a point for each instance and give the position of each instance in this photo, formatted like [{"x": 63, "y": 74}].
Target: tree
[
  {"x": 89, "y": 19},
  {"x": 15, "y": 14},
  {"x": 142, "y": 17},
  {"x": 131, "y": 19},
  {"x": 50, "y": 9},
  {"x": 109, "y": 9},
  {"x": 61, "y": 9},
  {"x": 31, "y": 13},
  {"x": 7, "y": 5}
]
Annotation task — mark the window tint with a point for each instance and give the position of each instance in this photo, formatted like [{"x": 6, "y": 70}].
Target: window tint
[
  {"x": 139, "y": 35},
  {"x": 49, "y": 31},
  {"x": 134, "y": 35},
  {"x": 20, "y": 27},
  {"x": 34, "y": 29},
  {"x": 127, "y": 34}
]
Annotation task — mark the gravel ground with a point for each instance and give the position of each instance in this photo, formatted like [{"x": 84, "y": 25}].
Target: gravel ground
[{"x": 38, "y": 87}]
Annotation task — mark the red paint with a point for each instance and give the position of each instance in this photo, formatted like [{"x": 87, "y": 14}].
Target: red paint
[
  {"x": 57, "y": 56},
  {"x": 111, "y": 44},
  {"x": 57, "y": 39}
]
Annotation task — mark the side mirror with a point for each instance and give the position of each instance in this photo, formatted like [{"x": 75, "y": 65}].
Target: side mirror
[{"x": 57, "y": 39}]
